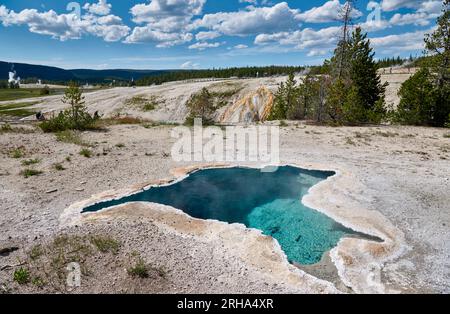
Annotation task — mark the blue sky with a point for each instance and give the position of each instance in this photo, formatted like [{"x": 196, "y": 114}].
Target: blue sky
[{"x": 170, "y": 34}]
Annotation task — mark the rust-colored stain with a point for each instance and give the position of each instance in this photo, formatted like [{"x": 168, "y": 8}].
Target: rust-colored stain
[{"x": 255, "y": 106}]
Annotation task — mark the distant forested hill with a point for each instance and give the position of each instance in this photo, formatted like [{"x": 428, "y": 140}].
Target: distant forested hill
[
  {"x": 118, "y": 75},
  {"x": 42, "y": 72},
  {"x": 54, "y": 74}
]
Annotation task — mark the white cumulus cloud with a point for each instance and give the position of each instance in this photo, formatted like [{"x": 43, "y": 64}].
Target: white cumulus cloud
[{"x": 68, "y": 26}]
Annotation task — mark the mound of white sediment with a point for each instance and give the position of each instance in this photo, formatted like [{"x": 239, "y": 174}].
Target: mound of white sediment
[{"x": 242, "y": 100}]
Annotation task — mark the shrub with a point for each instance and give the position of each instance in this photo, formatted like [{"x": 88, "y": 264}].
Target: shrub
[
  {"x": 86, "y": 153},
  {"x": 105, "y": 244},
  {"x": 74, "y": 118},
  {"x": 22, "y": 276},
  {"x": 65, "y": 120},
  {"x": 38, "y": 282},
  {"x": 16, "y": 153},
  {"x": 59, "y": 167},
  {"x": 30, "y": 173},
  {"x": 201, "y": 106},
  {"x": 417, "y": 100},
  {"x": 70, "y": 137},
  {"x": 44, "y": 91},
  {"x": 140, "y": 269},
  {"x": 5, "y": 128},
  {"x": 30, "y": 162}
]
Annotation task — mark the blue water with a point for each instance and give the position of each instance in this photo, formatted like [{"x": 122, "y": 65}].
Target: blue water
[{"x": 268, "y": 201}]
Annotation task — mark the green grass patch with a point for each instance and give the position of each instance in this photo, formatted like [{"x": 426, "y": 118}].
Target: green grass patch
[
  {"x": 59, "y": 167},
  {"x": 106, "y": 244},
  {"x": 70, "y": 137},
  {"x": 30, "y": 162},
  {"x": 143, "y": 102},
  {"x": 38, "y": 282},
  {"x": 22, "y": 276},
  {"x": 139, "y": 269},
  {"x": 17, "y": 110},
  {"x": 16, "y": 153},
  {"x": 27, "y": 173},
  {"x": 7, "y": 128},
  {"x": 7, "y": 94},
  {"x": 36, "y": 252},
  {"x": 86, "y": 153}
]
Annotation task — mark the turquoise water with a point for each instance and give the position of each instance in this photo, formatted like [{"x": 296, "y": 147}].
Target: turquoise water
[{"x": 262, "y": 200}]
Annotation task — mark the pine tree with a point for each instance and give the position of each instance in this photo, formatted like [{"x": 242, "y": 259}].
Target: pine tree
[
  {"x": 291, "y": 94},
  {"x": 366, "y": 92},
  {"x": 425, "y": 97},
  {"x": 279, "y": 107},
  {"x": 74, "y": 97},
  {"x": 437, "y": 45},
  {"x": 417, "y": 100},
  {"x": 201, "y": 106},
  {"x": 307, "y": 101},
  {"x": 337, "y": 95}
]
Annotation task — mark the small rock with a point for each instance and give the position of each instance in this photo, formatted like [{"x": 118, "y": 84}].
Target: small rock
[{"x": 79, "y": 189}]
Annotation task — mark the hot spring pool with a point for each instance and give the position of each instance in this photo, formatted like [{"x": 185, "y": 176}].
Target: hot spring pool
[{"x": 268, "y": 201}]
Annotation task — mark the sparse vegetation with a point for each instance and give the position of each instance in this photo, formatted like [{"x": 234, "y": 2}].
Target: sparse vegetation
[
  {"x": 86, "y": 153},
  {"x": 44, "y": 91},
  {"x": 26, "y": 173},
  {"x": 59, "y": 167},
  {"x": 16, "y": 153},
  {"x": 387, "y": 134},
  {"x": 7, "y": 128},
  {"x": 143, "y": 102},
  {"x": 36, "y": 252},
  {"x": 70, "y": 137},
  {"x": 18, "y": 110},
  {"x": 106, "y": 244},
  {"x": 139, "y": 269},
  {"x": 119, "y": 120},
  {"x": 38, "y": 282},
  {"x": 19, "y": 93},
  {"x": 30, "y": 162},
  {"x": 22, "y": 276}
]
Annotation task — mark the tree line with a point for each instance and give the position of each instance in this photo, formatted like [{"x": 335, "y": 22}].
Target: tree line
[
  {"x": 246, "y": 72},
  {"x": 347, "y": 89}
]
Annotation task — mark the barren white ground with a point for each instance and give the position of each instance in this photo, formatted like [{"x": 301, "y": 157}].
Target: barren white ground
[{"x": 401, "y": 173}]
